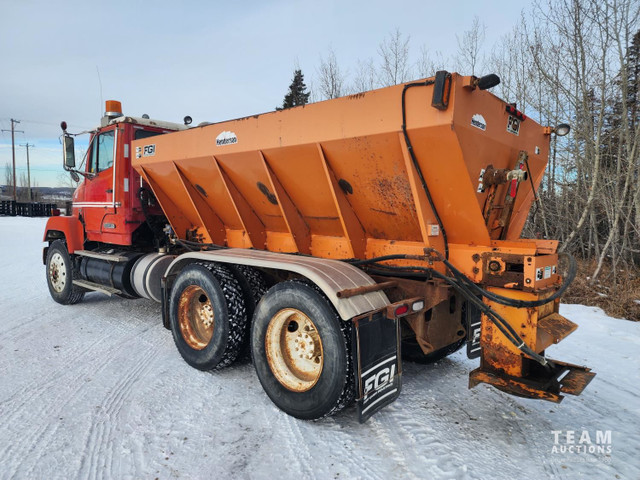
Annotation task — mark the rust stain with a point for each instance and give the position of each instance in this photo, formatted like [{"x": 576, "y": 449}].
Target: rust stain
[
  {"x": 320, "y": 218},
  {"x": 383, "y": 211}
]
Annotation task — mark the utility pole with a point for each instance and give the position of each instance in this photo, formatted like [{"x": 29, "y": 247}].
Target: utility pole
[
  {"x": 13, "y": 152},
  {"x": 28, "y": 169}
]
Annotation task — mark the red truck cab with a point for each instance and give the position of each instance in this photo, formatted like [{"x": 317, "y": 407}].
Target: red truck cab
[{"x": 106, "y": 204}]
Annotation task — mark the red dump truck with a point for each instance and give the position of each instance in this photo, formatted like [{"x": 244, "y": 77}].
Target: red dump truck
[{"x": 329, "y": 240}]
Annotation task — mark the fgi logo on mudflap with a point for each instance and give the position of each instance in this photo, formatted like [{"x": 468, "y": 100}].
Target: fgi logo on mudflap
[{"x": 379, "y": 379}]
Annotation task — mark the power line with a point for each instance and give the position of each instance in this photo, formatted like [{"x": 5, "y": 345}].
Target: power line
[{"x": 13, "y": 152}]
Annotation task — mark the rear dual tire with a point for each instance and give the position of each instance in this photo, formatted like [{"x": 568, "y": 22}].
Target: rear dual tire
[
  {"x": 207, "y": 316},
  {"x": 300, "y": 350},
  {"x": 299, "y": 345}
]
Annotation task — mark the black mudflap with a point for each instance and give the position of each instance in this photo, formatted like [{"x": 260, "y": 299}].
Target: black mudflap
[
  {"x": 473, "y": 320},
  {"x": 376, "y": 358}
]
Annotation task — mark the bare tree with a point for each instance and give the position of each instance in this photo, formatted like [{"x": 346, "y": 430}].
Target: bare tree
[
  {"x": 331, "y": 79},
  {"x": 65, "y": 180},
  {"x": 8, "y": 175},
  {"x": 470, "y": 47},
  {"x": 365, "y": 77},
  {"x": 394, "y": 56},
  {"x": 428, "y": 64},
  {"x": 23, "y": 192}
]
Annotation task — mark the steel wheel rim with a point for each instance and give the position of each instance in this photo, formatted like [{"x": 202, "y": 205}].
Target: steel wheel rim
[
  {"x": 57, "y": 272},
  {"x": 196, "y": 317},
  {"x": 294, "y": 350}
]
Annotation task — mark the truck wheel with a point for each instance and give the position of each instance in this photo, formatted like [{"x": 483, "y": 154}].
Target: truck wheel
[
  {"x": 207, "y": 316},
  {"x": 253, "y": 286},
  {"x": 60, "y": 275},
  {"x": 301, "y": 351}
]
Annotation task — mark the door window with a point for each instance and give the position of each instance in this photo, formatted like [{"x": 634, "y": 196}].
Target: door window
[{"x": 102, "y": 152}]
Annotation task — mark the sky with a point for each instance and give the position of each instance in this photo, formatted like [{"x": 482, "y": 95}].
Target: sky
[{"x": 211, "y": 60}]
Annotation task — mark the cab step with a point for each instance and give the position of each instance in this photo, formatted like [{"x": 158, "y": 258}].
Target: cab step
[
  {"x": 102, "y": 256},
  {"x": 97, "y": 287}
]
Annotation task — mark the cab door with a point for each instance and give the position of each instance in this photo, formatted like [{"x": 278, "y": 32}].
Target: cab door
[{"x": 99, "y": 194}]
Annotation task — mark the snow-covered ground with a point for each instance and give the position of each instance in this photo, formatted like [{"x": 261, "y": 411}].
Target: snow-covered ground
[{"x": 98, "y": 390}]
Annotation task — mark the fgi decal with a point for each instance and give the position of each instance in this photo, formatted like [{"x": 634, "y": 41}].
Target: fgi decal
[
  {"x": 146, "y": 151},
  {"x": 226, "y": 138}
]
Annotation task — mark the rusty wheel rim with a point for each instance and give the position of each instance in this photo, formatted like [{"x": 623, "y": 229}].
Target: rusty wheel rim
[
  {"x": 294, "y": 350},
  {"x": 196, "y": 317},
  {"x": 57, "y": 272}
]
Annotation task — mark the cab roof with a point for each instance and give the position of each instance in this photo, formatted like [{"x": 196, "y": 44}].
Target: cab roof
[{"x": 148, "y": 122}]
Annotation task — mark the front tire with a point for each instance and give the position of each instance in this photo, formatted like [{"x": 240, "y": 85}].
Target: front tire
[
  {"x": 60, "y": 275},
  {"x": 207, "y": 316},
  {"x": 300, "y": 350}
]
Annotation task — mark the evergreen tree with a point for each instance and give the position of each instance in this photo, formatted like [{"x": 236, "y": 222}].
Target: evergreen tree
[{"x": 297, "y": 94}]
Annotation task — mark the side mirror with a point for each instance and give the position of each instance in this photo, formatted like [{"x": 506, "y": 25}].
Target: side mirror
[{"x": 69, "y": 152}]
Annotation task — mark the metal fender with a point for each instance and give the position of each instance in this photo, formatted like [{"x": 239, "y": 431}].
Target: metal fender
[
  {"x": 70, "y": 227},
  {"x": 331, "y": 276}
]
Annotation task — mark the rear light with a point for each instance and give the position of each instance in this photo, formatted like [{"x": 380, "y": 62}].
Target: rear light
[
  {"x": 408, "y": 306},
  {"x": 417, "y": 306},
  {"x": 512, "y": 110}
]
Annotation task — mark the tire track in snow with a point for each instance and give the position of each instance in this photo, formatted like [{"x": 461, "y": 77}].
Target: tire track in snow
[
  {"x": 297, "y": 445},
  {"x": 382, "y": 431},
  {"x": 71, "y": 355},
  {"x": 363, "y": 465},
  {"x": 540, "y": 454},
  {"x": 36, "y": 401},
  {"x": 401, "y": 425},
  {"x": 97, "y": 458},
  {"x": 42, "y": 405}
]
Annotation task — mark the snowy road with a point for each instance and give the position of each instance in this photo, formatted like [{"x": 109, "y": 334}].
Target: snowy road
[{"x": 98, "y": 390}]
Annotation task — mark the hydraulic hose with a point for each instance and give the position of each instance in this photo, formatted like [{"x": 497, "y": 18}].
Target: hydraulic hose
[
  {"x": 143, "y": 196},
  {"x": 505, "y": 328},
  {"x": 471, "y": 292},
  {"x": 510, "y": 302},
  {"x": 191, "y": 245},
  {"x": 462, "y": 278},
  {"x": 414, "y": 160}
]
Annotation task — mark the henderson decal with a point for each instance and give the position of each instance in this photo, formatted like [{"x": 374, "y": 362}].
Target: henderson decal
[
  {"x": 226, "y": 138},
  {"x": 478, "y": 121}
]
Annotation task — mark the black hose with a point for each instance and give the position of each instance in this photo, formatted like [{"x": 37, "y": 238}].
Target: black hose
[
  {"x": 143, "y": 196},
  {"x": 415, "y": 160},
  {"x": 505, "y": 328},
  {"x": 510, "y": 302},
  {"x": 207, "y": 246},
  {"x": 399, "y": 256}
]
